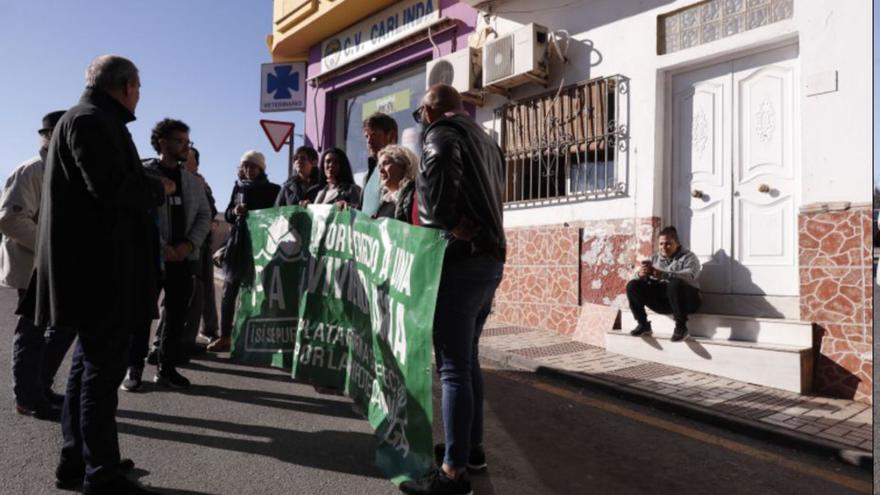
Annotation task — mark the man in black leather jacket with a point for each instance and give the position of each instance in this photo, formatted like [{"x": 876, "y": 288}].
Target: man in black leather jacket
[{"x": 459, "y": 187}]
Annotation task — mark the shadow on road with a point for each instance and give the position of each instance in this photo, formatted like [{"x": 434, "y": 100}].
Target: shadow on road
[
  {"x": 254, "y": 397},
  {"x": 330, "y": 450}
]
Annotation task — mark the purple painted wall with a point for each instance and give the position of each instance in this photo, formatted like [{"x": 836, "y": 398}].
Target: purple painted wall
[{"x": 319, "y": 118}]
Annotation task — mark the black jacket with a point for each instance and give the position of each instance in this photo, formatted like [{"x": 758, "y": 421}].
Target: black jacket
[
  {"x": 258, "y": 194},
  {"x": 461, "y": 177},
  {"x": 97, "y": 260},
  {"x": 295, "y": 190},
  {"x": 400, "y": 210}
]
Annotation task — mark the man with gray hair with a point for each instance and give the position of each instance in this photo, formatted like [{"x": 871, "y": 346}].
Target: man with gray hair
[{"x": 97, "y": 266}]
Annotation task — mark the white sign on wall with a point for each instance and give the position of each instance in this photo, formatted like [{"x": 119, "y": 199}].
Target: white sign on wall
[
  {"x": 382, "y": 29},
  {"x": 283, "y": 87}
]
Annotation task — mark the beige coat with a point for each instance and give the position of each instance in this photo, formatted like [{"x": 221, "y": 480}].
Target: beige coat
[{"x": 19, "y": 209}]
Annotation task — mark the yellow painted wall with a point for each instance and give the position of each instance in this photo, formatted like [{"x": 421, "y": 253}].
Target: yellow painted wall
[{"x": 299, "y": 24}]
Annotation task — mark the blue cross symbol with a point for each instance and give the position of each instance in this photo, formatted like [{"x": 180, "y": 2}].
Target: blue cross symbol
[{"x": 281, "y": 81}]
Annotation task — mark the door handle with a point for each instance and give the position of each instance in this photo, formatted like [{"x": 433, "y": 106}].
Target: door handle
[
  {"x": 763, "y": 188},
  {"x": 697, "y": 194}
]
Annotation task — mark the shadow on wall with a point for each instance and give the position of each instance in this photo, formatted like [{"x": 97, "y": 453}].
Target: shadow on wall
[
  {"x": 829, "y": 378},
  {"x": 758, "y": 306}
]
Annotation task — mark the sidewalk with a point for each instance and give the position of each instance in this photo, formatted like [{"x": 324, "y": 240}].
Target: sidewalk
[{"x": 829, "y": 426}]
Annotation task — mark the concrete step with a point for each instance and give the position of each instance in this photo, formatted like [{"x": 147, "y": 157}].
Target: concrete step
[
  {"x": 715, "y": 327},
  {"x": 787, "y": 367},
  {"x": 764, "y": 351}
]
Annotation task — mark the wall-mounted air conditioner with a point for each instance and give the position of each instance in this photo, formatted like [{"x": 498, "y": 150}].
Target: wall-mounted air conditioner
[
  {"x": 519, "y": 57},
  {"x": 461, "y": 70}
]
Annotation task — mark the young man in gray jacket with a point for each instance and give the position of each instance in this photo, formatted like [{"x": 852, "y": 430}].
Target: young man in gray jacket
[
  {"x": 183, "y": 221},
  {"x": 667, "y": 283},
  {"x": 36, "y": 357}
]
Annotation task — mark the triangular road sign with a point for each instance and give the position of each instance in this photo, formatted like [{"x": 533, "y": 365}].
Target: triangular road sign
[{"x": 277, "y": 132}]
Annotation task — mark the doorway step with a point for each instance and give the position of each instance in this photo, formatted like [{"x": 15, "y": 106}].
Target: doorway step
[{"x": 772, "y": 352}]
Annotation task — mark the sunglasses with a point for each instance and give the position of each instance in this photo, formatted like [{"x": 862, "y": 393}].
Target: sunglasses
[{"x": 417, "y": 114}]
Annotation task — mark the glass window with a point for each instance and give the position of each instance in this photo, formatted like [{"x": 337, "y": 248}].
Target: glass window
[{"x": 397, "y": 95}]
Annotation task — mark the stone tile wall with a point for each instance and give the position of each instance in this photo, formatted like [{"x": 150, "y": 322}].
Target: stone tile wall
[
  {"x": 540, "y": 284},
  {"x": 571, "y": 278},
  {"x": 836, "y": 296}
]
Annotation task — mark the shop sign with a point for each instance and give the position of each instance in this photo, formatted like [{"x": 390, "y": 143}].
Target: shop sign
[
  {"x": 380, "y": 30},
  {"x": 388, "y": 104}
]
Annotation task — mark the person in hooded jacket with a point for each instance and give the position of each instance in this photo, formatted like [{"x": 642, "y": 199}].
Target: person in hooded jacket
[
  {"x": 252, "y": 191},
  {"x": 304, "y": 184}
]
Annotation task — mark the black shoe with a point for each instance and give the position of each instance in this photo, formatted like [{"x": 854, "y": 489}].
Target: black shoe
[
  {"x": 169, "y": 377},
  {"x": 72, "y": 478},
  {"x": 44, "y": 411},
  {"x": 680, "y": 333},
  {"x": 133, "y": 379},
  {"x": 476, "y": 457},
  {"x": 437, "y": 483},
  {"x": 53, "y": 398},
  {"x": 153, "y": 357},
  {"x": 117, "y": 486},
  {"x": 642, "y": 329}
]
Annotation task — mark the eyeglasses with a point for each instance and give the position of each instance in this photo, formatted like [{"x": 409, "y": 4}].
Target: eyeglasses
[
  {"x": 182, "y": 141},
  {"x": 45, "y": 132},
  {"x": 417, "y": 114}
]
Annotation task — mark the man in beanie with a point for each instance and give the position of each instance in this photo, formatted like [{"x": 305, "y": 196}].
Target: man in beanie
[
  {"x": 252, "y": 191},
  {"x": 35, "y": 357}
]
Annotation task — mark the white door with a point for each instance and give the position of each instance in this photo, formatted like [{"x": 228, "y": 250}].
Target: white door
[{"x": 734, "y": 172}]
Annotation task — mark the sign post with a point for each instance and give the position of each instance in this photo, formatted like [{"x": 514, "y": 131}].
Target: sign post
[
  {"x": 279, "y": 133},
  {"x": 282, "y": 87}
]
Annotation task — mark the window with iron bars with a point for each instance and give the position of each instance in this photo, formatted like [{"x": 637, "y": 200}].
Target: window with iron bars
[{"x": 565, "y": 145}]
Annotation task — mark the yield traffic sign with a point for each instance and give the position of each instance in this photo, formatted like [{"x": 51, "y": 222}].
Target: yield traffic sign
[{"x": 277, "y": 132}]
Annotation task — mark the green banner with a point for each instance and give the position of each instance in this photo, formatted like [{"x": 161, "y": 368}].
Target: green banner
[{"x": 347, "y": 302}]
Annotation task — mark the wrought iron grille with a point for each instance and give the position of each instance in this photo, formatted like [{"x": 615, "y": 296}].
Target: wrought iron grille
[{"x": 566, "y": 145}]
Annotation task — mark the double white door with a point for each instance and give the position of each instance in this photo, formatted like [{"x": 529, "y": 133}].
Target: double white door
[{"x": 734, "y": 172}]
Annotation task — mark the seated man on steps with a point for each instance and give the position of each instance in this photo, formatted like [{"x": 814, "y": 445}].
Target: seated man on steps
[{"x": 667, "y": 283}]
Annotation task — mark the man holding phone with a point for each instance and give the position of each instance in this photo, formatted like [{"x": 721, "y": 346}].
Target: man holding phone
[{"x": 666, "y": 283}]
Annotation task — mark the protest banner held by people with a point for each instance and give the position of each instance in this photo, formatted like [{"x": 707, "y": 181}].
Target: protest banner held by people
[
  {"x": 252, "y": 191},
  {"x": 459, "y": 186},
  {"x": 35, "y": 357},
  {"x": 97, "y": 277}
]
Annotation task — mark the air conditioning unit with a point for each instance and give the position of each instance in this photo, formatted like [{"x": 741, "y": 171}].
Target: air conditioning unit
[
  {"x": 517, "y": 58},
  {"x": 461, "y": 70}
]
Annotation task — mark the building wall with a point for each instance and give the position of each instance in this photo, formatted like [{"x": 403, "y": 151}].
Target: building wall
[{"x": 835, "y": 269}]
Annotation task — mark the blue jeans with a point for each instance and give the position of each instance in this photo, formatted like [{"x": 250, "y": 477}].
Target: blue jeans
[
  {"x": 36, "y": 357},
  {"x": 464, "y": 300}
]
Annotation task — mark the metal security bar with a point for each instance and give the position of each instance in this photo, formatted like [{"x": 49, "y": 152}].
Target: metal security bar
[{"x": 566, "y": 145}]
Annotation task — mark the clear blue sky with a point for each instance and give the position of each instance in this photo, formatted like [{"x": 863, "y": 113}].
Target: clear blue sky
[{"x": 199, "y": 62}]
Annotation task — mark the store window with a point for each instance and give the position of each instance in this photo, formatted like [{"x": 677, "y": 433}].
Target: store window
[{"x": 396, "y": 95}]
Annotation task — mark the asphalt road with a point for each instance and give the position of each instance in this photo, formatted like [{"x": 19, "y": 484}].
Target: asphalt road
[{"x": 247, "y": 430}]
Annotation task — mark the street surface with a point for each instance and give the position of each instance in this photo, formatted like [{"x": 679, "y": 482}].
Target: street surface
[{"x": 248, "y": 430}]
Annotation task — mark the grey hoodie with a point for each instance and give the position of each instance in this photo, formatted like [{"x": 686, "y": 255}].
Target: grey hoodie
[{"x": 683, "y": 265}]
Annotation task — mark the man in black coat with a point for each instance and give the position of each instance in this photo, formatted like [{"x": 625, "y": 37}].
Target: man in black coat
[
  {"x": 459, "y": 186},
  {"x": 96, "y": 268}
]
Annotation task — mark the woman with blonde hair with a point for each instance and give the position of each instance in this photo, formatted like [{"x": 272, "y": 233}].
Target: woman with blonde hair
[{"x": 397, "y": 172}]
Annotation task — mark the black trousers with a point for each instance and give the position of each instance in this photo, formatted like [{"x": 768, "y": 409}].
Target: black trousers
[
  {"x": 227, "y": 307},
  {"x": 673, "y": 296},
  {"x": 36, "y": 357},
  {"x": 178, "y": 287},
  {"x": 203, "y": 309},
  {"x": 88, "y": 421}
]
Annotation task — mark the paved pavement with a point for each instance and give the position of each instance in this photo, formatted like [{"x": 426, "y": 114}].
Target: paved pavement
[
  {"x": 838, "y": 426},
  {"x": 250, "y": 430}
]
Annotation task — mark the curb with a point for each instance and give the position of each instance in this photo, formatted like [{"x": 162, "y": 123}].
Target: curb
[{"x": 819, "y": 446}]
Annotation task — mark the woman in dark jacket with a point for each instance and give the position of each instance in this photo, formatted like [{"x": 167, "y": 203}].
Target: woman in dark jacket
[
  {"x": 252, "y": 191},
  {"x": 337, "y": 180},
  {"x": 305, "y": 183},
  {"x": 397, "y": 171}
]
